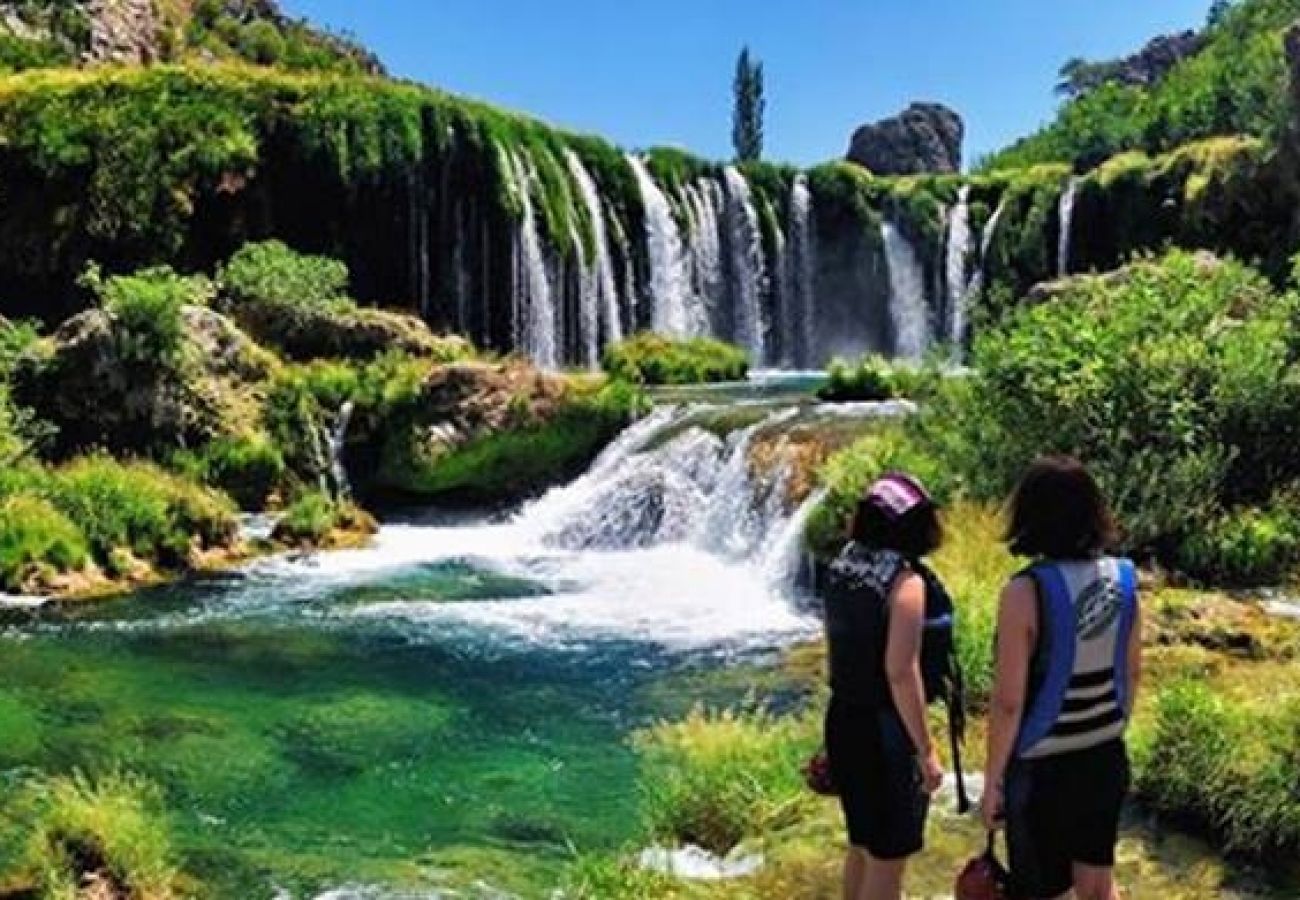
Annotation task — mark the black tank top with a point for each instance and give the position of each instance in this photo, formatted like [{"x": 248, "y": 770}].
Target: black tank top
[{"x": 856, "y": 598}]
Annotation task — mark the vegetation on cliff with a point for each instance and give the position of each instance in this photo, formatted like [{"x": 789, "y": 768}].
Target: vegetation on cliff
[{"x": 1236, "y": 84}]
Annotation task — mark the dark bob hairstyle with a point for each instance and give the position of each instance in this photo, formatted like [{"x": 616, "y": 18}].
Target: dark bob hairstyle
[
  {"x": 915, "y": 534},
  {"x": 1058, "y": 512}
]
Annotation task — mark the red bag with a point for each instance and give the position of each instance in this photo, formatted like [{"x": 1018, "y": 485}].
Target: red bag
[
  {"x": 984, "y": 878},
  {"x": 817, "y": 775}
]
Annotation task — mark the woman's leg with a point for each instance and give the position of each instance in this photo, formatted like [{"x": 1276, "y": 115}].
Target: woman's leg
[
  {"x": 855, "y": 869},
  {"x": 1094, "y": 883},
  {"x": 884, "y": 879}
]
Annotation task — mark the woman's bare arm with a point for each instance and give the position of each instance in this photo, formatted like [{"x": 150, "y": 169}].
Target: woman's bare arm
[
  {"x": 903, "y": 667},
  {"x": 1016, "y": 636}
]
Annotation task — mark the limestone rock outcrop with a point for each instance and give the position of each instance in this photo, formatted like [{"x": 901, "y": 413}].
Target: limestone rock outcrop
[{"x": 925, "y": 137}]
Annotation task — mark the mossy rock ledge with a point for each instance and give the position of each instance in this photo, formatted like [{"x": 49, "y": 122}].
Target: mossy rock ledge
[{"x": 84, "y": 381}]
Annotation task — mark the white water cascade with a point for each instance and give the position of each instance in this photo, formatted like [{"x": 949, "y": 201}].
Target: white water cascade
[
  {"x": 669, "y": 275},
  {"x": 598, "y": 290},
  {"x": 801, "y": 268},
  {"x": 907, "y": 305},
  {"x": 535, "y": 314},
  {"x": 958, "y": 258},
  {"x": 706, "y": 203},
  {"x": 1066, "y": 210},
  {"x": 748, "y": 267}
]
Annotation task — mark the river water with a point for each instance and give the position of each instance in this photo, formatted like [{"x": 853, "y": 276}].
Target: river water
[{"x": 450, "y": 706}]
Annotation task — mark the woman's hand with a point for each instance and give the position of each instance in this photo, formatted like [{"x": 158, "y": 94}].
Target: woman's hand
[
  {"x": 991, "y": 807},
  {"x": 931, "y": 771}
]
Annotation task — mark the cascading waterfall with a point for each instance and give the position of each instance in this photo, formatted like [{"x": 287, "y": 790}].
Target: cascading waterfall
[
  {"x": 535, "y": 312},
  {"x": 958, "y": 257},
  {"x": 705, "y": 199},
  {"x": 801, "y": 270},
  {"x": 600, "y": 291},
  {"x": 748, "y": 267},
  {"x": 1066, "y": 210},
  {"x": 669, "y": 277},
  {"x": 908, "y": 309}
]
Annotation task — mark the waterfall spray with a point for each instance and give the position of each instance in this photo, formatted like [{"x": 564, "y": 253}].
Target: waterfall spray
[
  {"x": 749, "y": 279},
  {"x": 668, "y": 273},
  {"x": 959, "y": 249},
  {"x": 907, "y": 306},
  {"x": 1067, "y": 226}
]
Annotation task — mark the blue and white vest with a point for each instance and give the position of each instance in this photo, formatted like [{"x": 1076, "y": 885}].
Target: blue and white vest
[{"x": 1086, "y": 615}]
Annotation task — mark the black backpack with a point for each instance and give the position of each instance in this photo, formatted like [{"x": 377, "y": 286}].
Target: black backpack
[{"x": 941, "y": 672}]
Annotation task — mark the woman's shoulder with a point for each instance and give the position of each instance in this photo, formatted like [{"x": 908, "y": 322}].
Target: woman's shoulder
[{"x": 870, "y": 567}]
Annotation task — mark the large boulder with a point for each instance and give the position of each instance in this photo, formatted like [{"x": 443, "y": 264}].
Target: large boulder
[
  {"x": 925, "y": 137},
  {"x": 80, "y": 381}
]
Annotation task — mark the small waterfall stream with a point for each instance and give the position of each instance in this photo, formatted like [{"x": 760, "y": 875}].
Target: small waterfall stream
[
  {"x": 1066, "y": 214},
  {"x": 957, "y": 264},
  {"x": 801, "y": 269},
  {"x": 908, "y": 309},
  {"x": 599, "y": 289},
  {"x": 748, "y": 267},
  {"x": 535, "y": 312},
  {"x": 669, "y": 280}
]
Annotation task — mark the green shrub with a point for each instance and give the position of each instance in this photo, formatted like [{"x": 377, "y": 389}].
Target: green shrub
[
  {"x": 147, "y": 309},
  {"x": 1246, "y": 546},
  {"x": 140, "y": 508},
  {"x": 114, "y": 824},
  {"x": 298, "y": 405},
  {"x": 33, "y": 534},
  {"x": 871, "y": 378},
  {"x": 657, "y": 360},
  {"x": 272, "y": 272},
  {"x": 715, "y": 779},
  {"x": 1169, "y": 379},
  {"x": 308, "y": 520},
  {"x": 1226, "y": 766},
  {"x": 249, "y": 469}
]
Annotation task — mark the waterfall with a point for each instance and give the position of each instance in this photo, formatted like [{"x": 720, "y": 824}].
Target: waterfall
[
  {"x": 669, "y": 285},
  {"x": 1067, "y": 226},
  {"x": 535, "y": 313},
  {"x": 604, "y": 299},
  {"x": 801, "y": 270},
  {"x": 705, "y": 200},
  {"x": 748, "y": 267},
  {"x": 337, "y": 439},
  {"x": 959, "y": 249},
  {"x": 669, "y": 481},
  {"x": 907, "y": 305}
]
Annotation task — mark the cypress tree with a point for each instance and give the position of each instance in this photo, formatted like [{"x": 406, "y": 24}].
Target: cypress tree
[{"x": 747, "y": 117}]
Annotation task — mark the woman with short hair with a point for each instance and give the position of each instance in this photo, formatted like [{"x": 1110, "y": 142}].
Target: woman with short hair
[
  {"x": 1068, "y": 666},
  {"x": 882, "y": 759}
]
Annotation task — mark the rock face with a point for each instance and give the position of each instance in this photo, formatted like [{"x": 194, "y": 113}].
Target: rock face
[
  {"x": 925, "y": 137},
  {"x": 1153, "y": 62},
  {"x": 122, "y": 31},
  {"x": 81, "y": 383}
]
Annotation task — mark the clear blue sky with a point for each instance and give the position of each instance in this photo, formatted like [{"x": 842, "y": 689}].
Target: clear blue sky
[{"x": 650, "y": 72}]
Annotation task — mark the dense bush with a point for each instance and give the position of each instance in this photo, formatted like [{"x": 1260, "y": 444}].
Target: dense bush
[
  {"x": 874, "y": 378},
  {"x": 271, "y": 272},
  {"x": 35, "y": 536},
  {"x": 1248, "y": 546},
  {"x": 111, "y": 829},
  {"x": 1174, "y": 380},
  {"x": 249, "y": 469},
  {"x": 715, "y": 779},
  {"x": 308, "y": 520},
  {"x": 654, "y": 359},
  {"x": 147, "y": 309},
  {"x": 1227, "y": 766}
]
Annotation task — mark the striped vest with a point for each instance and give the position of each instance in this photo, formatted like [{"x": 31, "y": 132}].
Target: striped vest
[{"x": 1086, "y": 615}]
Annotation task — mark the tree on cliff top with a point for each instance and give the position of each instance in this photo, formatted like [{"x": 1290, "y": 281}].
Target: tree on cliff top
[{"x": 747, "y": 118}]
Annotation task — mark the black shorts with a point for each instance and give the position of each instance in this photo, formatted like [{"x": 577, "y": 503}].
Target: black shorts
[
  {"x": 1063, "y": 810},
  {"x": 875, "y": 769}
]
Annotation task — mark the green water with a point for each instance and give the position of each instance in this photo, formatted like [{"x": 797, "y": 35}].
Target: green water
[{"x": 305, "y": 751}]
